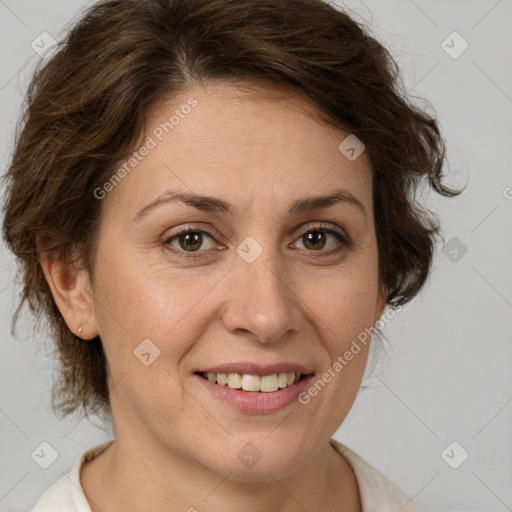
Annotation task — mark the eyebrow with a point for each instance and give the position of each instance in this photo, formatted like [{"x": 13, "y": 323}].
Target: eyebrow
[{"x": 216, "y": 205}]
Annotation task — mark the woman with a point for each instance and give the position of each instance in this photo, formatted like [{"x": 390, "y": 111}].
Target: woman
[{"x": 211, "y": 202}]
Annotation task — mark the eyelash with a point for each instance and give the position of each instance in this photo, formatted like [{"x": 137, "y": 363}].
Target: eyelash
[{"x": 345, "y": 242}]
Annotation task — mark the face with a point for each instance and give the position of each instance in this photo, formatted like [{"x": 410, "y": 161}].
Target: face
[{"x": 258, "y": 280}]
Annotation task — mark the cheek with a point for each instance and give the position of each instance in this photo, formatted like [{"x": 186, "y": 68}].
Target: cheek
[
  {"x": 137, "y": 301},
  {"x": 344, "y": 308},
  {"x": 148, "y": 320},
  {"x": 344, "y": 316}
]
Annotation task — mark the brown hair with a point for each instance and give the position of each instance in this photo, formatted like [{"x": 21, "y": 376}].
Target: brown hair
[{"x": 87, "y": 106}]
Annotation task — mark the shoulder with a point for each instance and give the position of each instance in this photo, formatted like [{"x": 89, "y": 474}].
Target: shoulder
[
  {"x": 378, "y": 493},
  {"x": 66, "y": 493}
]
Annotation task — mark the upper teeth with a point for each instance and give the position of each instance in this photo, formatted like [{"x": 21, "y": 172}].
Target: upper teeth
[{"x": 265, "y": 383}]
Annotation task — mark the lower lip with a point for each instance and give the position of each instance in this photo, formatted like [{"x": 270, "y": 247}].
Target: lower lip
[{"x": 256, "y": 401}]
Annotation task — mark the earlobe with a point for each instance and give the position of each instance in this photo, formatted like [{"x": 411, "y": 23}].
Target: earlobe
[{"x": 70, "y": 288}]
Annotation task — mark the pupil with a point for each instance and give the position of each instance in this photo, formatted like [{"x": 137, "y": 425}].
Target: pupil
[
  {"x": 314, "y": 238},
  {"x": 195, "y": 244}
]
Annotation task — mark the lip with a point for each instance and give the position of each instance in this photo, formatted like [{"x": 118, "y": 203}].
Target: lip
[
  {"x": 256, "y": 402},
  {"x": 258, "y": 369}
]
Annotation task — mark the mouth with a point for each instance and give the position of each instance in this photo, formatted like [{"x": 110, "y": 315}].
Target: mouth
[
  {"x": 253, "y": 383},
  {"x": 252, "y": 388}
]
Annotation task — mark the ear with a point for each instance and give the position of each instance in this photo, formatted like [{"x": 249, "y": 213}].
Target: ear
[{"x": 71, "y": 290}]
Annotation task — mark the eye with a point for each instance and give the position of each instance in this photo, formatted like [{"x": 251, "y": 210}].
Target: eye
[
  {"x": 316, "y": 239},
  {"x": 189, "y": 240}
]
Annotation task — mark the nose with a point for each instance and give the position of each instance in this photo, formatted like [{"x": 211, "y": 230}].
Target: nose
[{"x": 262, "y": 303}]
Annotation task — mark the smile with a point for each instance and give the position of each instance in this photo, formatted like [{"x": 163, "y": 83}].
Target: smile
[{"x": 254, "y": 383}]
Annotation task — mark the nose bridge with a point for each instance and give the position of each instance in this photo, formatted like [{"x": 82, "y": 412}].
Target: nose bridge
[{"x": 263, "y": 303}]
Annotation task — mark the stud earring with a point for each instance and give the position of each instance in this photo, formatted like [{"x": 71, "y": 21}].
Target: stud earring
[{"x": 80, "y": 329}]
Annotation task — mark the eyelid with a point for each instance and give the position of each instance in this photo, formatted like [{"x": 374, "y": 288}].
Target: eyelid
[
  {"x": 194, "y": 229},
  {"x": 322, "y": 225}
]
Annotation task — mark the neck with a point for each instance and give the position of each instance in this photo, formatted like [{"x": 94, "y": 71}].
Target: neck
[{"x": 133, "y": 477}]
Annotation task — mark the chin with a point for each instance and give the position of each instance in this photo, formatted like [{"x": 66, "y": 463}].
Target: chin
[{"x": 258, "y": 457}]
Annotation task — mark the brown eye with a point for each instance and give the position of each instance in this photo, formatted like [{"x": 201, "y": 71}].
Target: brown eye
[
  {"x": 317, "y": 240},
  {"x": 189, "y": 241},
  {"x": 314, "y": 240}
]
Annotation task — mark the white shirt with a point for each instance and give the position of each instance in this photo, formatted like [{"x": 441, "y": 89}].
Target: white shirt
[{"x": 378, "y": 494}]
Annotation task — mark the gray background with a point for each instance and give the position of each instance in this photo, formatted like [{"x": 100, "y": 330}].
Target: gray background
[{"x": 448, "y": 374}]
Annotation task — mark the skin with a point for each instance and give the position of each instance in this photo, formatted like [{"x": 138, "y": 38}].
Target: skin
[{"x": 176, "y": 445}]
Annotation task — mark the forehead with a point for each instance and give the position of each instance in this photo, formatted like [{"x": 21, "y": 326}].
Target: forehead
[{"x": 258, "y": 146}]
